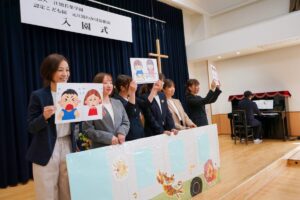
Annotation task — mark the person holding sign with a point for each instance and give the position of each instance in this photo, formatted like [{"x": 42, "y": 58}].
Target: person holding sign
[
  {"x": 181, "y": 119},
  {"x": 126, "y": 94},
  {"x": 50, "y": 142},
  {"x": 114, "y": 126},
  {"x": 161, "y": 120},
  {"x": 196, "y": 104}
]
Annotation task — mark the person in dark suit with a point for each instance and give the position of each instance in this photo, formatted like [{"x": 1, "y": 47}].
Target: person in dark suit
[
  {"x": 161, "y": 120},
  {"x": 126, "y": 94},
  {"x": 50, "y": 142},
  {"x": 251, "y": 108},
  {"x": 196, "y": 104}
]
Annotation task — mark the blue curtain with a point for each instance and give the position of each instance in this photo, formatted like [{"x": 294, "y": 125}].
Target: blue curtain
[{"x": 23, "y": 47}]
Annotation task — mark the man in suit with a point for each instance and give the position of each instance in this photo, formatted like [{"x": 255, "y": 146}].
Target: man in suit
[{"x": 251, "y": 108}]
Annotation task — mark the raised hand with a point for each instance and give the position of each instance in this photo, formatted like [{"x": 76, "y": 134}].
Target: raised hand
[{"x": 213, "y": 85}]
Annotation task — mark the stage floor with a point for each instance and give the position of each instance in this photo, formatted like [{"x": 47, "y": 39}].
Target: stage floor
[
  {"x": 241, "y": 163},
  {"x": 238, "y": 163}
]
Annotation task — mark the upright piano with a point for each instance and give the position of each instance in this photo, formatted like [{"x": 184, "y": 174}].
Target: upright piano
[{"x": 274, "y": 107}]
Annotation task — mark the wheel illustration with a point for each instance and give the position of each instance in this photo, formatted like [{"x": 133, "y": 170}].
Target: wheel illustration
[{"x": 196, "y": 186}]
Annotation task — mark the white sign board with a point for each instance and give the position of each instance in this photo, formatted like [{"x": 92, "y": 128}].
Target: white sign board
[
  {"x": 158, "y": 167},
  {"x": 214, "y": 74},
  {"x": 78, "y": 102},
  {"x": 74, "y": 17},
  {"x": 144, "y": 70}
]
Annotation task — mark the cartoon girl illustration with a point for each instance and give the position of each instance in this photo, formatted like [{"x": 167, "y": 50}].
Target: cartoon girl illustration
[
  {"x": 150, "y": 67},
  {"x": 92, "y": 99},
  {"x": 69, "y": 102},
  {"x": 138, "y": 66}
]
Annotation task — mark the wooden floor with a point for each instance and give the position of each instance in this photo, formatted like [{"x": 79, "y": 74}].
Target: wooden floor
[
  {"x": 239, "y": 164},
  {"x": 243, "y": 167}
]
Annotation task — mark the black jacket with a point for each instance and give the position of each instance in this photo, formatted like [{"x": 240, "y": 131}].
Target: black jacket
[
  {"x": 251, "y": 108},
  {"x": 133, "y": 111},
  {"x": 196, "y": 106},
  {"x": 158, "y": 121},
  {"x": 44, "y": 132}
]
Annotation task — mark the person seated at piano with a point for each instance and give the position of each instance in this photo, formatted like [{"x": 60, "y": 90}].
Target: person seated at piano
[
  {"x": 196, "y": 104},
  {"x": 251, "y": 108},
  {"x": 181, "y": 119}
]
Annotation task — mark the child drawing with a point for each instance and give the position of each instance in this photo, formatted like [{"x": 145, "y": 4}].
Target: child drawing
[
  {"x": 138, "y": 66},
  {"x": 92, "y": 99},
  {"x": 150, "y": 67},
  {"x": 69, "y": 102}
]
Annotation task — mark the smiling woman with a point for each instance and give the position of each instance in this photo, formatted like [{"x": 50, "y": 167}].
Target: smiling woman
[{"x": 50, "y": 142}]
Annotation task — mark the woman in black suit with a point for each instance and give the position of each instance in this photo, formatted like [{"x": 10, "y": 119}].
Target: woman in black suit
[
  {"x": 196, "y": 104},
  {"x": 126, "y": 94},
  {"x": 160, "y": 120},
  {"x": 50, "y": 142}
]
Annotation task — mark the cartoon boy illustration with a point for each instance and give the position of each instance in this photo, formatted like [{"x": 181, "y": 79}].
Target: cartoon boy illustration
[
  {"x": 138, "y": 66},
  {"x": 69, "y": 101},
  {"x": 92, "y": 99},
  {"x": 150, "y": 67}
]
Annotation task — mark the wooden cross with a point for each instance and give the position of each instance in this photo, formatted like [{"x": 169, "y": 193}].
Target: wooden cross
[{"x": 158, "y": 55}]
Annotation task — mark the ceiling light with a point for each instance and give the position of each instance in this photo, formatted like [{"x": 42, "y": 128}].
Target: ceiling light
[
  {"x": 238, "y": 53},
  {"x": 219, "y": 57}
]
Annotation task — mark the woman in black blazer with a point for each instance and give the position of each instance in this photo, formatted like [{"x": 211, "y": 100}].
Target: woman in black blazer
[
  {"x": 196, "y": 104},
  {"x": 126, "y": 94},
  {"x": 50, "y": 142},
  {"x": 160, "y": 120}
]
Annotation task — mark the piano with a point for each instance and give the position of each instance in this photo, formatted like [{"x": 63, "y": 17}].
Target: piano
[{"x": 274, "y": 107}]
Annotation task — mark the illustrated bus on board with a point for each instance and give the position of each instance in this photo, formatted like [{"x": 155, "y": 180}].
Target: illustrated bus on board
[{"x": 158, "y": 167}]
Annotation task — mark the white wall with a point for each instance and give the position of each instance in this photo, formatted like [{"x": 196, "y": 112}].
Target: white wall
[
  {"x": 196, "y": 29},
  {"x": 250, "y": 14},
  {"x": 193, "y": 27},
  {"x": 263, "y": 72}
]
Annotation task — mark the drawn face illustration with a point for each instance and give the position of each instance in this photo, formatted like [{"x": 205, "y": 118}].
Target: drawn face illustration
[
  {"x": 69, "y": 101},
  {"x": 92, "y": 100},
  {"x": 150, "y": 67},
  {"x": 138, "y": 67}
]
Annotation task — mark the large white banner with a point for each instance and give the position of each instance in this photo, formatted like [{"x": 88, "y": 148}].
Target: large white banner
[
  {"x": 158, "y": 167},
  {"x": 74, "y": 17}
]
